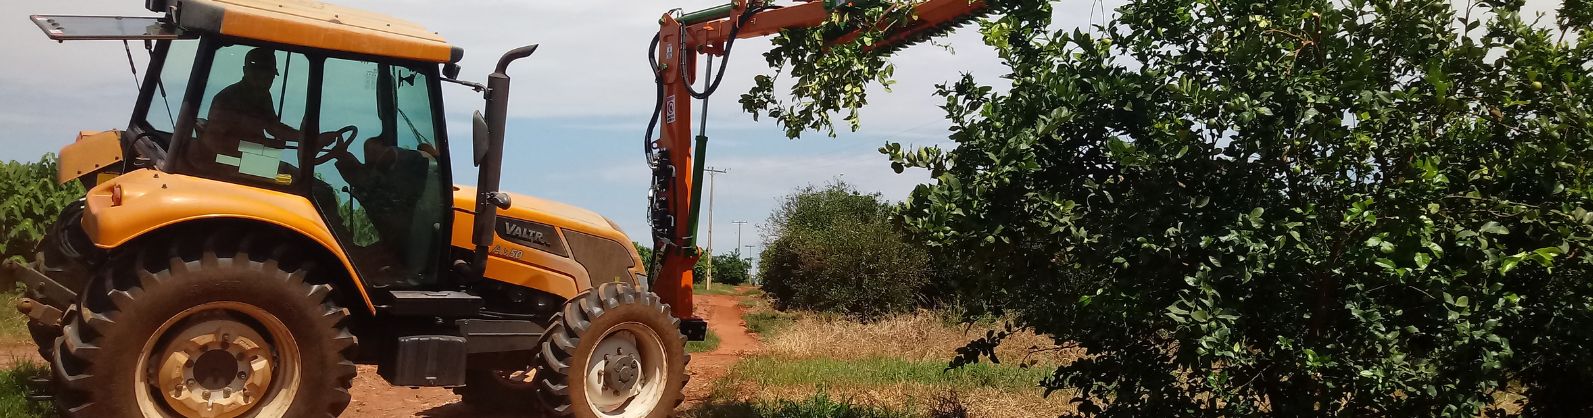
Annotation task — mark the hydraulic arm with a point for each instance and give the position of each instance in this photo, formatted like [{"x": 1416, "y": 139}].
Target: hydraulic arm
[{"x": 676, "y": 155}]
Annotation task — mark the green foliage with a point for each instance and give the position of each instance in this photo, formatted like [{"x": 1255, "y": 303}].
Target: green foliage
[
  {"x": 1290, "y": 208},
  {"x": 834, "y": 249},
  {"x": 830, "y": 82},
  {"x": 14, "y": 389},
  {"x": 819, "y": 405},
  {"x": 646, "y": 253},
  {"x": 729, "y": 269},
  {"x": 30, "y": 199}
]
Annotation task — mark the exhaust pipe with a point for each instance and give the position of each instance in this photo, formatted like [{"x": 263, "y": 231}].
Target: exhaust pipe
[{"x": 489, "y": 156}]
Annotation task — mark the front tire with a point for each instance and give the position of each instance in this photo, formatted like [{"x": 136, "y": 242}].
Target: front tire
[
  {"x": 614, "y": 352},
  {"x": 227, "y": 327}
]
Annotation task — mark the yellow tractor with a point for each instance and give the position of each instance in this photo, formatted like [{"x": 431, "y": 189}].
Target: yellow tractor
[{"x": 280, "y": 207}]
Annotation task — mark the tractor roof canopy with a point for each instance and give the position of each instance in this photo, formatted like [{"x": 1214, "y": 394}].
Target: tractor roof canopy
[
  {"x": 305, "y": 23},
  {"x": 316, "y": 25}
]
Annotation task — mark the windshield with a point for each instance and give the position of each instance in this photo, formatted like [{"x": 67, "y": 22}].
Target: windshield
[{"x": 167, "y": 100}]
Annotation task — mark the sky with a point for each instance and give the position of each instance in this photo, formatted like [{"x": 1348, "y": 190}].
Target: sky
[{"x": 578, "y": 107}]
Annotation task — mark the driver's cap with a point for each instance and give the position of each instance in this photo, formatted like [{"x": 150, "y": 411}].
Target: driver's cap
[{"x": 261, "y": 58}]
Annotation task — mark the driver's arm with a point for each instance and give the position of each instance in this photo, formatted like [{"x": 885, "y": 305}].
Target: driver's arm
[{"x": 281, "y": 134}]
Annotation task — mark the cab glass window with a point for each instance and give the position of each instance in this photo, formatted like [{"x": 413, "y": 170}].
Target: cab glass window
[
  {"x": 174, "y": 76},
  {"x": 382, "y": 189},
  {"x": 250, "y": 116}
]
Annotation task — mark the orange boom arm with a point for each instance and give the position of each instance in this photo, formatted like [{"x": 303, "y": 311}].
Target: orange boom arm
[{"x": 677, "y": 162}]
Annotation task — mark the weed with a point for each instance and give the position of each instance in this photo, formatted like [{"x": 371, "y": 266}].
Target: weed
[
  {"x": 709, "y": 343},
  {"x": 767, "y": 323},
  {"x": 14, "y": 389}
]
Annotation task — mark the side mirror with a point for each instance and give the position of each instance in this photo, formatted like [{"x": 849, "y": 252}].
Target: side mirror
[
  {"x": 481, "y": 136},
  {"x": 450, "y": 71}
]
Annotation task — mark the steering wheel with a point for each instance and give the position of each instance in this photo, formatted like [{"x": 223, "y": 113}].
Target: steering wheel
[{"x": 338, "y": 148}]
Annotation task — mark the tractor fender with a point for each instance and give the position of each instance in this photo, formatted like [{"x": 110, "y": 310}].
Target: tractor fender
[
  {"x": 92, "y": 153},
  {"x": 151, "y": 200}
]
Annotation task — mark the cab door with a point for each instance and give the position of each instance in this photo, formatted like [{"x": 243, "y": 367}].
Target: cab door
[{"x": 383, "y": 190}]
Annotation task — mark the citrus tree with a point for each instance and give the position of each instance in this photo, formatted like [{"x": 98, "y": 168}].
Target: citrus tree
[
  {"x": 1289, "y": 208},
  {"x": 1295, "y": 207}
]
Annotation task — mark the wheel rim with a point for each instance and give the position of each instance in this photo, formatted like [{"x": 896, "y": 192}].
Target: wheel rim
[
  {"x": 219, "y": 360},
  {"x": 625, "y": 374}
]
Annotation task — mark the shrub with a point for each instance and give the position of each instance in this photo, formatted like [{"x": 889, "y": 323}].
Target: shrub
[
  {"x": 833, "y": 249},
  {"x": 730, "y": 269}
]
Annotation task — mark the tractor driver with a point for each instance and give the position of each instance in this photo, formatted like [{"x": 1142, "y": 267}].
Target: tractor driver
[
  {"x": 391, "y": 186},
  {"x": 243, "y": 112}
]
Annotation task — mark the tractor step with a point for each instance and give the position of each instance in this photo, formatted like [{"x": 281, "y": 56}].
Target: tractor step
[{"x": 445, "y": 304}]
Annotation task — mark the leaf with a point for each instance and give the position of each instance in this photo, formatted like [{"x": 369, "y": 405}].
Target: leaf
[
  {"x": 1421, "y": 260},
  {"x": 1493, "y": 228},
  {"x": 1510, "y": 262}
]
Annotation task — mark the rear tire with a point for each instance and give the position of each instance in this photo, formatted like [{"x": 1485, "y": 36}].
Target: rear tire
[
  {"x": 613, "y": 352},
  {"x": 57, "y": 256},
  {"x": 235, "y": 320}
]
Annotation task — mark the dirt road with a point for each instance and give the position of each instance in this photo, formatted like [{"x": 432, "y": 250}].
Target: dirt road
[
  {"x": 724, "y": 317},
  {"x": 374, "y": 398}
]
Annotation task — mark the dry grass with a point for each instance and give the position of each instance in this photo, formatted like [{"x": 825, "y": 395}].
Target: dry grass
[
  {"x": 916, "y": 398},
  {"x": 896, "y": 363},
  {"x": 922, "y": 336}
]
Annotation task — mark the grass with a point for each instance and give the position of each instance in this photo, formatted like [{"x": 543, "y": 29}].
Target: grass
[
  {"x": 709, "y": 343},
  {"x": 883, "y": 385},
  {"x": 768, "y": 322},
  {"x": 921, "y": 336},
  {"x": 13, "y": 326},
  {"x": 14, "y": 389},
  {"x": 724, "y": 289},
  {"x": 892, "y": 366},
  {"x": 884, "y": 371},
  {"x": 817, "y": 406}
]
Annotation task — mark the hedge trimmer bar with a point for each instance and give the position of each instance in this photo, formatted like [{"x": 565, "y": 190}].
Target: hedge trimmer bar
[{"x": 931, "y": 19}]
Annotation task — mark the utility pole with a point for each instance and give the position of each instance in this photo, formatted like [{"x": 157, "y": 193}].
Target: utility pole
[
  {"x": 749, "y": 266},
  {"x": 712, "y": 172},
  {"x": 738, "y": 241},
  {"x": 738, "y": 235}
]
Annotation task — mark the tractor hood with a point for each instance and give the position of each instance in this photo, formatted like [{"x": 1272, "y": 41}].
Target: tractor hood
[{"x": 546, "y": 211}]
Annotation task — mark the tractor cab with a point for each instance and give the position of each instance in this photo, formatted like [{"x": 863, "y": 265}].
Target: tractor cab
[{"x": 351, "y": 118}]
